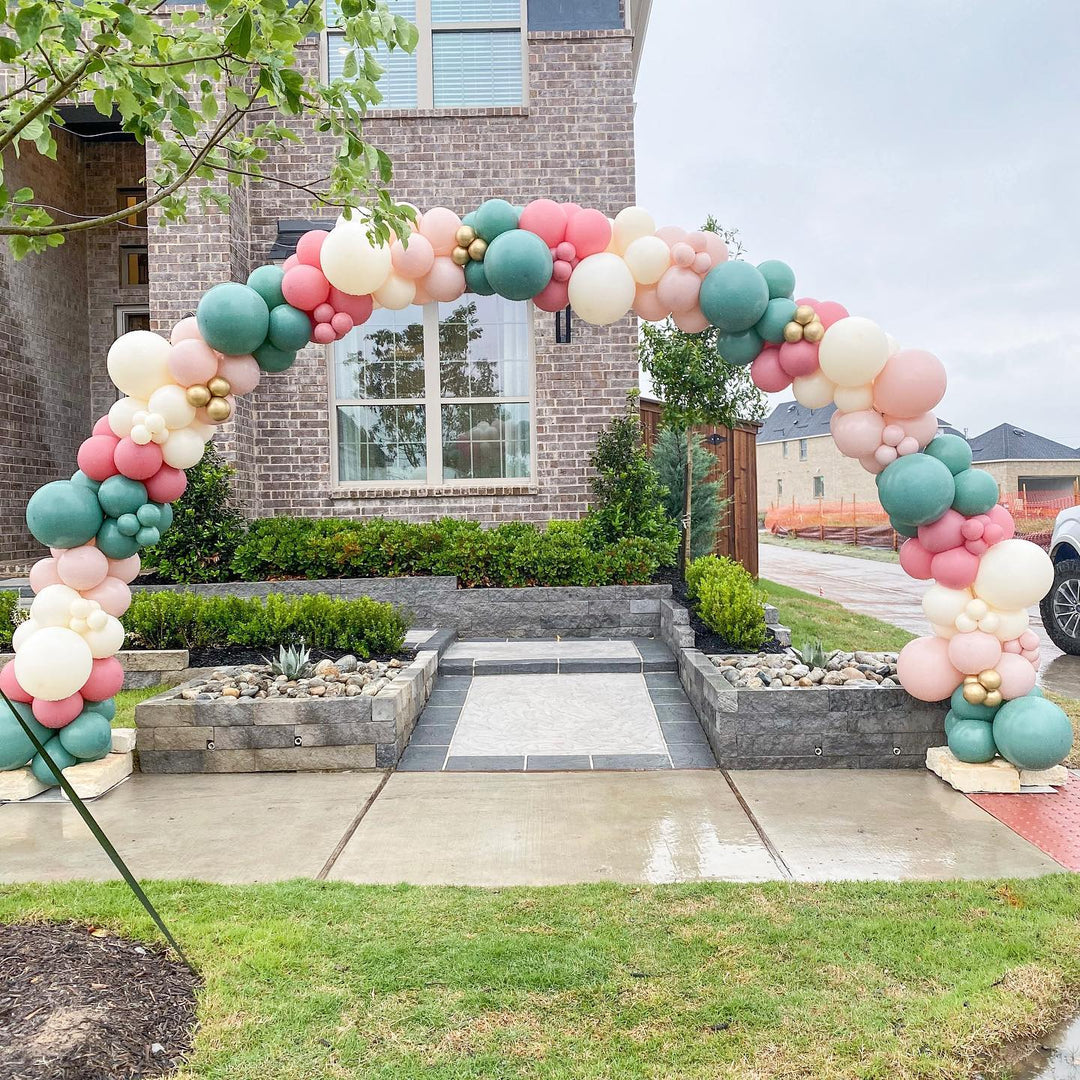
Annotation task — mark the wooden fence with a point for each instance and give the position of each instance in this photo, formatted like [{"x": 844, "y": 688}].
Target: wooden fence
[{"x": 735, "y": 451}]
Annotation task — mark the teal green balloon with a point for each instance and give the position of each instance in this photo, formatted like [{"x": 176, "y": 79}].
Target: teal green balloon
[
  {"x": 779, "y": 277},
  {"x": 976, "y": 492},
  {"x": 127, "y": 524},
  {"x": 476, "y": 279},
  {"x": 80, "y": 478},
  {"x": 1035, "y": 691},
  {"x": 273, "y": 359},
  {"x": 147, "y": 536},
  {"x": 903, "y": 528},
  {"x": 113, "y": 543},
  {"x": 266, "y": 281},
  {"x": 778, "y": 313},
  {"x": 16, "y": 749},
  {"x": 106, "y": 708},
  {"x": 149, "y": 514},
  {"x": 739, "y": 349},
  {"x": 972, "y": 740},
  {"x": 289, "y": 329},
  {"x": 54, "y": 748},
  {"x": 952, "y": 451},
  {"x": 518, "y": 264},
  {"x": 734, "y": 296},
  {"x": 233, "y": 318},
  {"x": 121, "y": 495},
  {"x": 1032, "y": 733},
  {"x": 916, "y": 488},
  {"x": 63, "y": 514},
  {"x": 951, "y": 718},
  {"x": 88, "y": 737},
  {"x": 493, "y": 218},
  {"x": 963, "y": 708},
  {"x": 166, "y": 516},
  {"x": 469, "y": 219}
]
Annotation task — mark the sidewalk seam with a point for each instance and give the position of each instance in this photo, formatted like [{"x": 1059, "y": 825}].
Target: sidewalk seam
[
  {"x": 339, "y": 847},
  {"x": 770, "y": 847}
]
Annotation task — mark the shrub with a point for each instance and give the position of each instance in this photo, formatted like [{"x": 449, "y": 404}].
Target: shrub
[
  {"x": 9, "y": 617},
  {"x": 727, "y": 601},
  {"x": 669, "y": 460},
  {"x": 168, "y": 620}
]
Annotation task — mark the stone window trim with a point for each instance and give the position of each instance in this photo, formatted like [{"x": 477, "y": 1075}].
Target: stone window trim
[{"x": 469, "y": 488}]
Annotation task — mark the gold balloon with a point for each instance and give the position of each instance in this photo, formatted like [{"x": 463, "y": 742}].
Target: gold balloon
[
  {"x": 793, "y": 332},
  {"x": 465, "y": 236},
  {"x": 814, "y": 332},
  {"x": 974, "y": 694},
  {"x": 219, "y": 387},
  {"x": 218, "y": 409},
  {"x": 460, "y": 256},
  {"x": 990, "y": 679},
  {"x": 197, "y": 396},
  {"x": 804, "y": 314},
  {"x": 970, "y": 680},
  {"x": 477, "y": 249},
  {"x": 993, "y": 698}
]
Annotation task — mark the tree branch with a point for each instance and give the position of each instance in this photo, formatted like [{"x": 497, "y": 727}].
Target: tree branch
[{"x": 47, "y": 102}]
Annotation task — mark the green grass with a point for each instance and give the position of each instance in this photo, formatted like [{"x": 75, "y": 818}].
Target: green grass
[
  {"x": 856, "y": 551},
  {"x": 812, "y": 617},
  {"x": 742, "y": 982},
  {"x": 1072, "y": 710},
  {"x": 126, "y": 701}
]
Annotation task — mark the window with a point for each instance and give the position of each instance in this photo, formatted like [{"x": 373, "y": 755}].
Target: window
[
  {"x": 132, "y": 318},
  {"x": 470, "y": 54},
  {"x": 134, "y": 266},
  {"x": 819, "y": 487},
  {"x": 779, "y": 487},
  {"x": 802, "y": 449},
  {"x": 129, "y": 197},
  {"x": 436, "y": 395},
  {"x": 785, "y": 448}
]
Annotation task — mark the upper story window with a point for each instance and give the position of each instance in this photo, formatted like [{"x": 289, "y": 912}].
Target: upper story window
[
  {"x": 470, "y": 54},
  {"x": 785, "y": 448},
  {"x": 819, "y": 487},
  {"x": 802, "y": 449}
]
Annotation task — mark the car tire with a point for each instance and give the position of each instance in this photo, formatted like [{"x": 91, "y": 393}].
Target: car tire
[{"x": 1060, "y": 607}]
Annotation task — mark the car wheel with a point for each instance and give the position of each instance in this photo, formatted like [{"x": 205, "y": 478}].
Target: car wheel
[{"x": 1060, "y": 607}]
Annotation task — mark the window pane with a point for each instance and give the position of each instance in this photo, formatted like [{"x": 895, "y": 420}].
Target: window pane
[
  {"x": 397, "y": 84},
  {"x": 383, "y": 359},
  {"x": 405, "y": 8},
  {"x": 484, "y": 348},
  {"x": 465, "y": 11},
  {"x": 382, "y": 442},
  {"x": 485, "y": 441},
  {"x": 480, "y": 67}
]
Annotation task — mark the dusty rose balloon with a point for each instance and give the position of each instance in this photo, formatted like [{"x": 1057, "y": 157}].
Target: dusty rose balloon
[
  {"x": 185, "y": 330},
  {"x": 647, "y": 304},
  {"x": 974, "y": 652},
  {"x": 439, "y": 226},
  {"x": 445, "y": 282},
  {"x": 323, "y": 313},
  {"x": 106, "y": 679},
  {"x": 571, "y": 208},
  {"x": 947, "y": 532},
  {"x": 922, "y": 428},
  {"x": 891, "y": 434},
  {"x": 323, "y": 333},
  {"x": 925, "y": 670},
  {"x": 545, "y": 218},
  {"x": 553, "y": 297},
  {"x": 856, "y": 434},
  {"x": 561, "y": 270},
  {"x": 102, "y": 426},
  {"x": 589, "y": 231},
  {"x": 112, "y": 594},
  {"x": 871, "y": 464},
  {"x": 911, "y": 383},
  {"x": 10, "y": 685},
  {"x": 192, "y": 362},
  {"x": 766, "y": 372},
  {"x": 82, "y": 567},
  {"x": 799, "y": 358},
  {"x": 1017, "y": 676},
  {"x": 137, "y": 462},
  {"x": 96, "y": 456},
  {"x": 126, "y": 570},
  {"x": 289, "y": 263},
  {"x": 342, "y": 323},
  {"x": 305, "y": 287},
  {"x": 420, "y": 299},
  {"x": 241, "y": 372},
  {"x": 359, "y": 307},
  {"x": 43, "y": 573},
  {"x": 678, "y": 289},
  {"x": 166, "y": 485},
  {"x": 309, "y": 245},
  {"x": 57, "y": 714},
  {"x": 915, "y": 559},
  {"x": 692, "y": 321},
  {"x": 415, "y": 260},
  {"x": 828, "y": 311},
  {"x": 955, "y": 568},
  {"x": 682, "y": 254},
  {"x": 1002, "y": 518},
  {"x": 565, "y": 251}
]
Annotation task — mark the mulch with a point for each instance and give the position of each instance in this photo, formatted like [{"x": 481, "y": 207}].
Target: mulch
[
  {"x": 79, "y": 1004},
  {"x": 213, "y": 656}
]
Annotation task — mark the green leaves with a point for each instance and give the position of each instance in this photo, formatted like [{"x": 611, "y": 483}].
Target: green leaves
[
  {"x": 238, "y": 36},
  {"x": 28, "y": 23}
]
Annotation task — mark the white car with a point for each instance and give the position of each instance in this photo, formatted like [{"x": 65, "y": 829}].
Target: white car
[{"x": 1060, "y": 607}]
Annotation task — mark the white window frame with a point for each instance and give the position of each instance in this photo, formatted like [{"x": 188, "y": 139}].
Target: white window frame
[
  {"x": 425, "y": 61},
  {"x": 123, "y": 310},
  {"x": 433, "y": 402}
]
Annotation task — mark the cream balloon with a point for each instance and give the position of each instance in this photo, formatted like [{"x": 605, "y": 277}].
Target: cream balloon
[
  {"x": 22, "y": 632},
  {"x": 944, "y": 631},
  {"x": 53, "y": 663},
  {"x": 1011, "y": 624},
  {"x": 184, "y": 449},
  {"x": 107, "y": 641},
  {"x": 648, "y": 257},
  {"x": 170, "y": 403},
  {"x": 853, "y": 351},
  {"x": 138, "y": 363},
  {"x": 631, "y": 223},
  {"x": 942, "y": 605},
  {"x": 602, "y": 289},
  {"x": 122, "y": 414},
  {"x": 814, "y": 391},
  {"x": 854, "y": 398},
  {"x": 1014, "y": 574},
  {"x": 351, "y": 262},
  {"x": 396, "y": 293},
  {"x": 53, "y": 605}
]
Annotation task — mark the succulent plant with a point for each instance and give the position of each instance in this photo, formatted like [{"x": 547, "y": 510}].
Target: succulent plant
[
  {"x": 813, "y": 654},
  {"x": 293, "y": 661}
]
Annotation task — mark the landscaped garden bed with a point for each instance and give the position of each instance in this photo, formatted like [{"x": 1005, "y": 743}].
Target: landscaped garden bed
[{"x": 776, "y": 671}]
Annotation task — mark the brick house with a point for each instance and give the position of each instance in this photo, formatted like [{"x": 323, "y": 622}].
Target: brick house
[{"x": 510, "y": 98}]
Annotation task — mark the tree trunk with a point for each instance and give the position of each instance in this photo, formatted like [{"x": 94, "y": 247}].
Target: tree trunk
[{"x": 688, "y": 495}]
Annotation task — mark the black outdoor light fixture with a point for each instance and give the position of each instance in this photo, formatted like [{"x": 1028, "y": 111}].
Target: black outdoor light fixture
[
  {"x": 562, "y": 326},
  {"x": 715, "y": 439}
]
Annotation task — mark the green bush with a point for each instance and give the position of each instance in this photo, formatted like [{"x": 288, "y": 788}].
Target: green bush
[
  {"x": 168, "y": 620},
  {"x": 9, "y": 618},
  {"x": 727, "y": 600},
  {"x": 669, "y": 459}
]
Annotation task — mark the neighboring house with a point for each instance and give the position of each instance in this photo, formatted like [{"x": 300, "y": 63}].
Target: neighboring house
[
  {"x": 1035, "y": 468},
  {"x": 513, "y": 98}
]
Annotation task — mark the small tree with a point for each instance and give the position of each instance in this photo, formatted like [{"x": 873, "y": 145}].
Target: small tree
[{"x": 669, "y": 458}]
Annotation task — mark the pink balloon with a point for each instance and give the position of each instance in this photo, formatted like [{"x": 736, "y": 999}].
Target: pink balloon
[
  {"x": 192, "y": 362},
  {"x": 1017, "y": 676},
  {"x": 561, "y": 270},
  {"x": 126, "y": 570},
  {"x": 911, "y": 383},
  {"x": 915, "y": 559},
  {"x": 571, "y": 208},
  {"x": 112, "y": 594},
  {"x": 682, "y": 254},
  {"x": 678, "y": 289},
  {"x": 566, "y": 252},
  {"x": 907, "y": 445},
  {"x": 716, "y": 249},
  {"x": 414, "y": 261},
  {"x": 10, "y": 685},
  {"x": 106, "y": 679},
  {"x": 671, "y": 234},
  {"x": 445, "y": 282},
  {"x": 647, "y": 305},
  {"x": 871, "y": 464},
  {"x": 323, "y": 333},
  {"x": 166, "y": 485},
  {"x": 766, "y": 372},
  {"x": 440, "y": 227},
  {"x": 420, "y": 299},
  {"x": 323, "y": 313},
  {"x": 925, "y": 670},
  {"x": 955, "y": 568},
  {"x": 359, "y": 307},
  {"x": 82, "y": 567},
  {"x": 947, "y": 532},
  {"x": 692, "y": 321},
  {"x": 241, "y": 372},
  {"x": 57, "y": 714},
  {"x": 342, "y": 323},
  {"x": 289, "y": 263},
  {"x": 829, "y": 311},
  {"x": 590, "y": 233},
  {"x": 1032, "y": 657},
  {"x": 545, "y": 218},
  {"x": 799, "y": 358},
  {"x": 309, "y": 246},
  {"x": 993, "y": 534},
  {"x": 305, "y": 287},
  {"x": 137, "y": 462},
  {"x": 1004, "y": 520},
  {"x": 702, "y": 264},
  {"x": 697, "y": 241},
  {"x": 102, "y": 427},
  {"x": 43, "y": 573},
  {"x": 885, "y": 455},
  {"x": 922, "y": 428},
  {"x": 1012, "y": 646},
  {"x": 974, "y": 652},
  {"x": 892, "y": 434},
  {"x": 96, "y": 456},
  {"x": 855, "y": 434},
  {"x": 186, "y": 330},
  {"x": 1028, "y": 640},
  {"x": 553, "y": 297}
]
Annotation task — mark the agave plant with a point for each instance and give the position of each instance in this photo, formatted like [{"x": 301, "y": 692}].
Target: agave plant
[
  {"x": 293, "y": 661},
  {"x": 813, "y": 654}
]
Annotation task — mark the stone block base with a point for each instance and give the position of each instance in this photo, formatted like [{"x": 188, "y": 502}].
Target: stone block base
[
  {"x": 19, "y": 784},
  {"x": 997, "y": 776},
  {"x": 93, "y": 778}
]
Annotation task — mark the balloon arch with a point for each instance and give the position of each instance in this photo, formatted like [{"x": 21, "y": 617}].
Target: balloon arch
[{"x": 981, "y": 653}]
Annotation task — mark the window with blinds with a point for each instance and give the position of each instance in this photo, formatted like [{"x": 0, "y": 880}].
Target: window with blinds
[
  {"x": 398, "y": 82},
  {"x": 476, "y": 67}
]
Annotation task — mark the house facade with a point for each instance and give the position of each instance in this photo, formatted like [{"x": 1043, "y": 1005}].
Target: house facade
[{"x": 466, "y": 409}]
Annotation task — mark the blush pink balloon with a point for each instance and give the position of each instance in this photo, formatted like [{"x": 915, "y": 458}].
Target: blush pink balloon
[
  {"x": 892, "y": 434},
  {"x": 692, "y": 321},
  {"x": 955, "y": 568},
  {"x": 83, "y": 567},
  {"x": 545, "y": 218},
  {"x": 553, "y": 297},
  {"x": 137, "y": 462},
  {"x": 241, "y": 372},
  {"x": 1012, "y": 646},
  {"x": 799, "y": 358},
  {"x": 702, "y": 264},
  {"x": 856, "y": 434},
  {"x": 921, "y": 428},
  {"x": 445, "y": 282},
  {"x": 414, "y": 261},
  {"x": 106, "y": 679},
  {"x": 43, "y": 573},
  {"x": 305, "y": 287},
  {"x": 309, "y": 246},
  {"x": 112, "y": 594},
  {"x": 96, "y": 456},
  {"x": 1032, "y": 657},
  {"x": 682, "y": 254},
  {"x": 1028, "y": 640},
  {"x": 911, "y": 383},
  {"x": 1017, "y": 676},
  {"x": 420, "y": 299},
  {"x": 974, "y": 652},
  {"x": 323, "y": 333},
  {"x": 871, "y": 464},
  {"x": 697, "y": 241},
  {"x": 289, "y": 263},
  {"x": 323, "y": 313},
  {"x": 678, "y": 289},
  {"x": 671, "y": 234},
  {"x": 342, "y": 323},
  {"x": 103, "y": 427},
  {"x": 192, "y": 362},
  {"x": 359, "y": 307},
  {"x": 907, "y": 445},
  {"x": 925, "y": 670},
  {"x": 947, "y": 532},
  {"x": 829, "y": 311},
  {"x": 1004, "y": 520},
  {"x": 186, "y": 330},
  {"x": 993, "y": 534},
  {"x": 440, "y": 226},
  {"x": 57, "y": 714},
  {"x": 127, "y": 570},
  {"x": 766, "y": 372},
  {"x": 915, "y": 559},
  {"x": 885, "y": 455},
  {"x": 647, "y": 305},
  {"x": 166, "y": 485},
  {"x": 10, "y": 685},
  {"x": 716, "y": 249},
  {"x": 589, "y": 231}
]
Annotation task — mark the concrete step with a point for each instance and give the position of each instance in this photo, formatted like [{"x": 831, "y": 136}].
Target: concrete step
[{"x": 556, "y": 657}]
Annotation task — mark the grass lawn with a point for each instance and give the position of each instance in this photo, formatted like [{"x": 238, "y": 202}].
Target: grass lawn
[
  {"x": 812, "y": 617},
  {"x": 856, "y": 551},
  {"x": 126, "y": 701},
  {"x": 1072, "y": 710},
  {"x": 892, "y": 981}
]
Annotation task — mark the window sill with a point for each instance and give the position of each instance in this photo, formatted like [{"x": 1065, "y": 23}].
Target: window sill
[
  {"x": 425, "y": 114},
  {"x": 421, "y": 491}
]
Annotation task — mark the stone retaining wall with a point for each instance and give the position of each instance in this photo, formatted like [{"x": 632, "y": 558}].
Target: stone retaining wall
[{"x": 144, "y": 667}]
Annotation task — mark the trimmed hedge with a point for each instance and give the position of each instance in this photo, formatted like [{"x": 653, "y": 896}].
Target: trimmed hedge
[
  {"x": 9, "y": 608},
  {"x": 727, "y": 600}
]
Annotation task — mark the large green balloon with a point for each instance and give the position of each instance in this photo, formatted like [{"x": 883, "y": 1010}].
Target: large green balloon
[
  {"x": 289, "y": 328},
  {"x": 952, "y": 450},
  {"x": 88, "y": 737},
  {"x": 916, "y": 489},
  {"x": 16, "y": 749},
  {"x": 114, "y": 543},
  {"x": 903, "y": 528},
  {"x": 778, "y": 276},
  {"x": 106, "y": 708},
  {"x": 476, "y": 279},
  {"x": 271, "y": 358},
  {"x": 1032, "y": 733},
  {"x": 166, "y": 516},
  {"x": 54, "y": 748},
  {"x": 972, "y": 740},
  {"x": 233, "y": 318},
  {"x": 80, "y": 478},
  {"x": 518, "y": 264},
  {"x": 976, "y": 492},
  {"x": 739, "y": 349},
  {"x": 121, "y": 495},
  {"x": 495, "y": 217},
  {"x": 63, "y": 514},
  {"x": 778, "y": 314},
  {"x": 266, "y": 281},
  {"x": 959, "y": 705},
  {"x": 734, "y": 296}
]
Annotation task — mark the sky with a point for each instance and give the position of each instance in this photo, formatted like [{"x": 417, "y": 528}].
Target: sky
[{"x": 917, "y": 160}]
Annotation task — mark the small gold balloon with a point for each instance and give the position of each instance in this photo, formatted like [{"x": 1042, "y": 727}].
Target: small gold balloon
[
  {"x": 460, "y": 256},
  {"x": 218, "y": 409},
  {"x": 993, "y": 698},
  {"x": 971, "y": 680},
  {"x": 219, "y": 387},
  {"x": 814, "y": 332},
  {"x": 477, "y": 249},
  {"x": 465, "y": 236},
  {"x": 804, "y": 314},
  {"x": 990, "y": 679},
  {"x": 197, "y": 396},
  {"x": 793, "y": 332},
  {"x": 975, "y": 694}
]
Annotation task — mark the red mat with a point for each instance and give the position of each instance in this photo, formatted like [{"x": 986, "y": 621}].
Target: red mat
[{"x": 1051, "y": 822}]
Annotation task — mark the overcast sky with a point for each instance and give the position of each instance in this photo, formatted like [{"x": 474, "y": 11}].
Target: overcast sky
[{"x": 917, "y": 161}]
